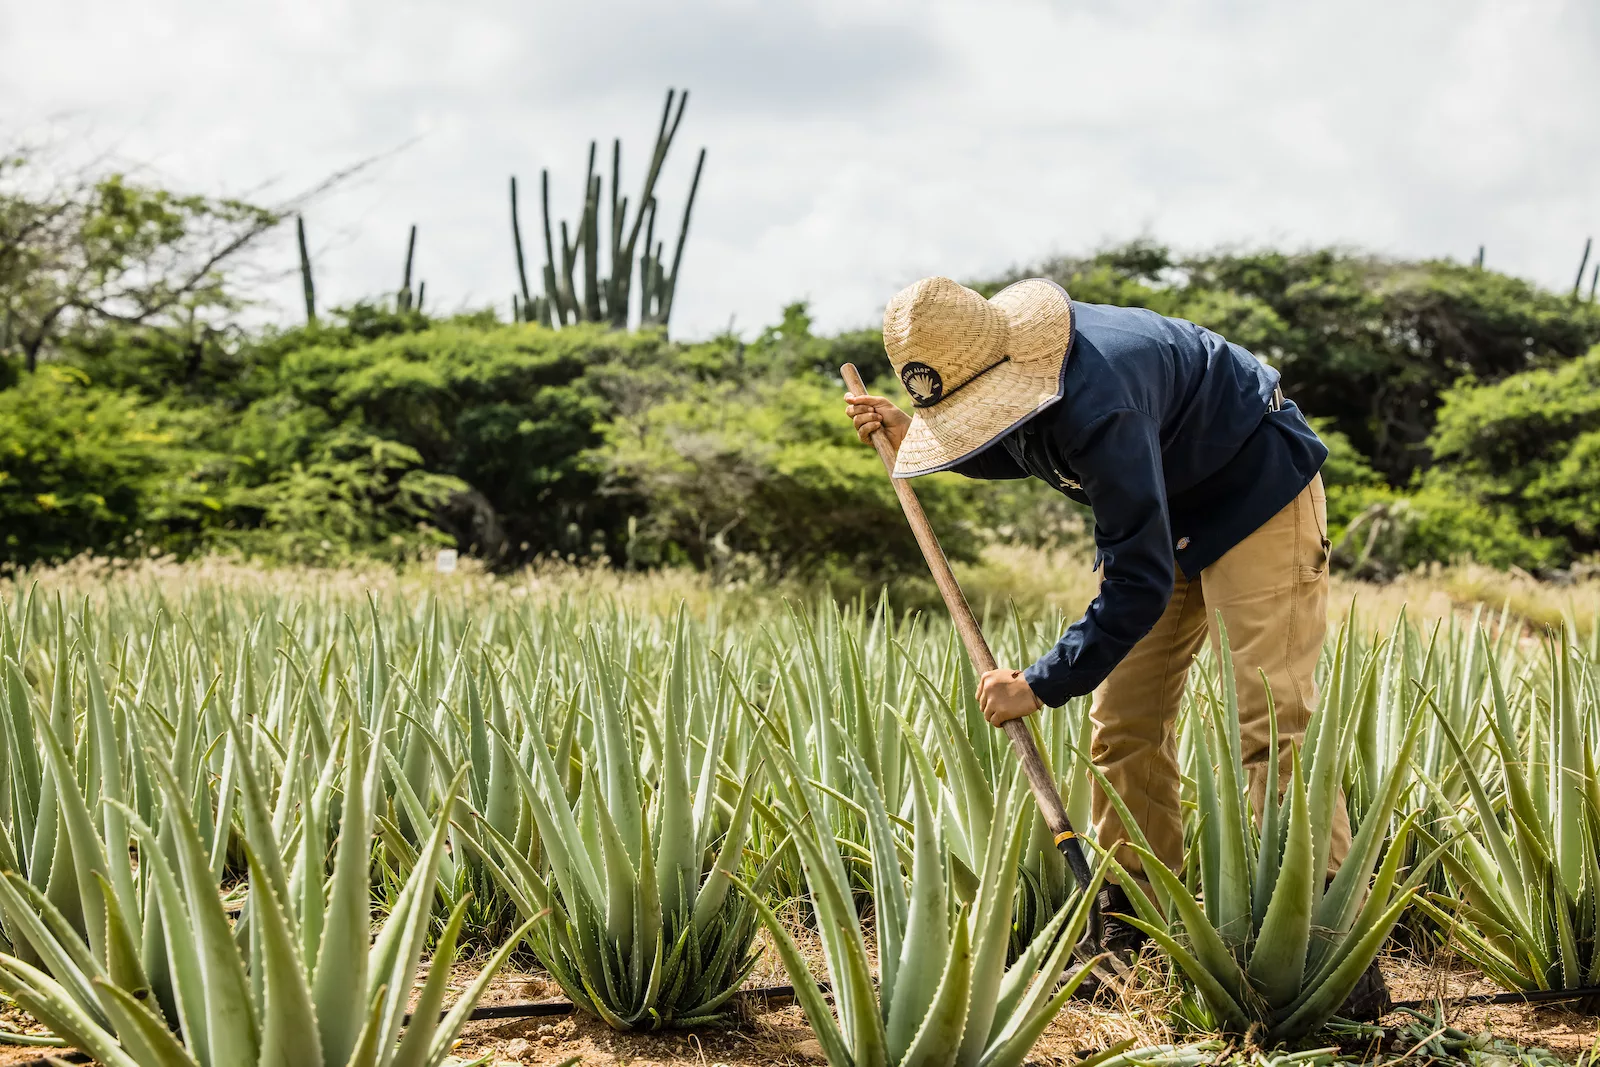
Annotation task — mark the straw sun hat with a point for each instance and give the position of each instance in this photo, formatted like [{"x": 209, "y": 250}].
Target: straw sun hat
[{"x": 974, "y": 368}]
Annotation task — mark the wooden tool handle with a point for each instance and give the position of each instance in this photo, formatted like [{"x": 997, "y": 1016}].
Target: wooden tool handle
[{"x": 1033, "y": 765}]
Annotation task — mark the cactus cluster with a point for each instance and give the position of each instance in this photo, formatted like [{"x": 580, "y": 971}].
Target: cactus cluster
[
  {"x": 306, "y": 282},
  {"x": 598, "y": 298},
  {"x": 408, "y": 299}
]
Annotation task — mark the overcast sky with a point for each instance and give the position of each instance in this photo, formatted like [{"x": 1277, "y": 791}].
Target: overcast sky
[{"x": 854, "y": 145}]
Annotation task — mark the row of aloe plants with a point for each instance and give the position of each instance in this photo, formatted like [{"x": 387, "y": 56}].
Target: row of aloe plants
[
  {"x": 630, "y": 796},
  {"x": 124, "y": 860}
]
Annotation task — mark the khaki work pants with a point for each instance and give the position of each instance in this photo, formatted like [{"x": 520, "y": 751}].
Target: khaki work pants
[{"x": 1271, "y": 590}]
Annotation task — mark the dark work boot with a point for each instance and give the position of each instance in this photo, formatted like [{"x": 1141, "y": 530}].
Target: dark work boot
[
  {"x": 1117, "y": 937},
  {"x": 1369, "y": 1000}
]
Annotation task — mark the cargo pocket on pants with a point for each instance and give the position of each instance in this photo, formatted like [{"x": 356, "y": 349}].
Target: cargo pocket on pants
[
  {"x": 1310, "y": 572},
  {"x": 1317, "y": 566}
]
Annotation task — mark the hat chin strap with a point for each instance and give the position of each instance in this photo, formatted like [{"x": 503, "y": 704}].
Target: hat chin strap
[{"x": 948, "y": 393}]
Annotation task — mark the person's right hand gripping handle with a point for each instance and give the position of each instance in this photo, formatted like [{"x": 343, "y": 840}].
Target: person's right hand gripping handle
[{"x": 871, "y": 413}]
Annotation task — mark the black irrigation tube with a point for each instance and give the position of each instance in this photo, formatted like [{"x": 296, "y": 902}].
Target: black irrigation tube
[
  {"x": 1537, "y": 996},
  {"x": 544, "y": 1008},
  {"x": 540, "y": 1009}
]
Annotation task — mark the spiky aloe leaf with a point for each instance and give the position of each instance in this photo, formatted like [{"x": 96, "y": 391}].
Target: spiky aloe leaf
[
  {"x": 395, "y": 952},
  {"x": 675, "y": 847},
  {"x": 926, "y": 944},
  {"x": 186, "y": 973},
  {"x": 107, "y": 770},
  {"x": 863, "y": 1024},
  {"x": 1230, "y": 1014},
  {"x": 1339, "y": 903},
  {"x": 806, "y": 990},
  {"x": 1279, "y": 958},
  {"x": 1267, "y": 852},
  {"x": 425, "y": 1013},
  {"x": 79, "y": 833},
  {"x": 339, "y": 977},
  {"x": 231, "y": 1025},
  {"x": 52, "y": 937},
  {"x": 45, "y": 1000},
  {"x": 942, "y": 1032},
  {"x": 991, "y": 919},
  {"x": 1020, "y": 1021},
  {"x": 889, "y": 891},
  {"x": 123, "y": 964},
  {"x": 290, "y": 1033},
  {"x": 1324, "y": 1000},
  {"x": 715, "y": 890},
  {"x": 1214, "y": 960},
  {"x": 1229, "y": 891},
  {"x": 1013, "y": 1047},
  {"x": 144, "y": 1034}
]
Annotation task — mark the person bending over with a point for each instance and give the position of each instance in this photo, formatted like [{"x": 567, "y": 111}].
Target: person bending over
[{"x": 1207, "y": 504}]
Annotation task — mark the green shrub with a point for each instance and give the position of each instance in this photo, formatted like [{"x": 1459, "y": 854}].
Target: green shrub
[
  {"x": 1439, "y": 519},
  {"x": 380, "y": 431},
  {"x": 509, "y": 411},
  {"x": 1530, "y": 442},
  {"x": 1365, "y": 342},
  {"x": 1347, "y": 478},
  {"x": 352, "y": 494},
  {"x": 87, "y": 468},
  {"x": 770, "y": 476}
]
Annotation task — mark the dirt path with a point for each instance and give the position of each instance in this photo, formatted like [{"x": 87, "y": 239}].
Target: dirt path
[{"x": 776, "y": 1034}]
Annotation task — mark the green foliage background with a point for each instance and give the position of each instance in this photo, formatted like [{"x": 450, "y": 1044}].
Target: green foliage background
[{"x": 1459, "y": 404}]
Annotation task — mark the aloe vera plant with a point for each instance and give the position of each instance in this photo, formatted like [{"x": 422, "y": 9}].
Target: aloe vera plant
[
  {"x": 640, "y": 927},
  {"x": 1528, "y": 865},
  {"x": 298, "y": 980},
  {"x": 976, "y": 760},
  {"x": 1376, "y": 687},
  {"x": 945, "y": 994},
  {"x": 1268, "y": 943},
  {"x": 179, "y": 757},
  {"x": 845, "y": 680}
]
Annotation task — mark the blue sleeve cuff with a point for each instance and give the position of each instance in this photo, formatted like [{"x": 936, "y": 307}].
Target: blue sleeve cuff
[{"x": 1052, "y": 692}]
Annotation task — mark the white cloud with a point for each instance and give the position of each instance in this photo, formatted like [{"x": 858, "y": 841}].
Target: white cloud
[{"x": 852, "y": 146}]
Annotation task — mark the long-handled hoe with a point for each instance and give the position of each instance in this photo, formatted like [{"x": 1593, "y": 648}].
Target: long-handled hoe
[{"x": 1033, "y": 764}]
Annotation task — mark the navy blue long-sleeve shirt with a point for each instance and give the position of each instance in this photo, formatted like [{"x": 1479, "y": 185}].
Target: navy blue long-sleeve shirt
[{"x": 1164, "y": 430}]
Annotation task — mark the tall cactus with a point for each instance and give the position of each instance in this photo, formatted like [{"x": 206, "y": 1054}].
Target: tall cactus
[
  {"x": 607, "y": 298},
  {"x": 522, "y": 262},
  {"x": 660, "y": 289},
  {"x": 406, "y": 299},
  {"x": 307, "y": 285},
  {"x": 525, "y": 307}
]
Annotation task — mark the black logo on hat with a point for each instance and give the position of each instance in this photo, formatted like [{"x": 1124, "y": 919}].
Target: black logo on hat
[{"x": 923, "y": 383}]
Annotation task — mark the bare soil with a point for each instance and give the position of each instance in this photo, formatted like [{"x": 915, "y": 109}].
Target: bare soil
[{"x": 775, "y": 1034}]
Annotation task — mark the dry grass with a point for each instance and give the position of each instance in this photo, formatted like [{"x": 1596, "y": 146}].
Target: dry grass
[
  {"x": 1061, "y": 583},
  {"x": 1041, "y": 584}
]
